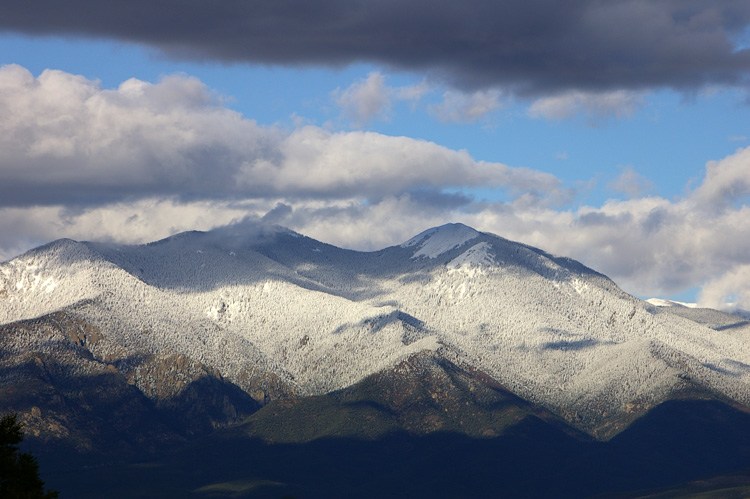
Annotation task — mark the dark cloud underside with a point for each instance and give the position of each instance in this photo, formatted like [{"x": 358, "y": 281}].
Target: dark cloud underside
[{"x": 533, "y": 46}]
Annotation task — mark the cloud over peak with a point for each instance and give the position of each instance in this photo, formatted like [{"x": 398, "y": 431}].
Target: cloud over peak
[{"x": 144, "y": 160}]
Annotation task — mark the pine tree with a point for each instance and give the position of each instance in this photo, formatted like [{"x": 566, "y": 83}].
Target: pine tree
[{"x": 19, "y": 471}]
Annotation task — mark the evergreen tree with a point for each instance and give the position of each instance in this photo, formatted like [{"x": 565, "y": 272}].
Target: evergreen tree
[{"x": 19, "y": 471}]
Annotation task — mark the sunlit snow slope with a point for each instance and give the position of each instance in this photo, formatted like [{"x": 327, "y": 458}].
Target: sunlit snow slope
[{"x": 257, "y": 299}]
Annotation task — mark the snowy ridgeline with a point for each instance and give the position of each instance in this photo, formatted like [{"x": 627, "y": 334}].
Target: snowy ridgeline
[{"x": 322, "y": 318}]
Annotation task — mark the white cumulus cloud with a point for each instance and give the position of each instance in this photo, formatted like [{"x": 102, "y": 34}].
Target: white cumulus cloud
[
  {"x": 67, "y": 140},
  {"x": 726, "y": 180},
  {"x": 728, "y": 291}
]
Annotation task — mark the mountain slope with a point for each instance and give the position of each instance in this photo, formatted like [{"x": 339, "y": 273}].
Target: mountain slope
[
  {"x": 124, "y": 406},
  {"x": 278, "y": 314}
]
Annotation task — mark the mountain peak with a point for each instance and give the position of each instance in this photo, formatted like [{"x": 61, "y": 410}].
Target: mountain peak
[
  {"x": 242, "y": 234},
  {"x": 319, "y": 318},
  {"x": 438, "y": 240}
]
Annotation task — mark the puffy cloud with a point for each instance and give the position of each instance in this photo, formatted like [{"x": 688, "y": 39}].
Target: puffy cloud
[
  {"x": 141, "y": 221},
  {"x": 316, "y": 162},
  {"x": 651, "y": 245},
  {"x": 729, "y": 291},
  {"x": 631, "y": 182},
  {"x": 462, "y": 107},
  {"x": 595, "y": 106},
  {"x": 371, "y": 99},
  {"x": 365, "y": 100},
  {"x": 726, "y": 180},
  {"x": 66, "y": 140},
  {"x": 532, "y": 46}
]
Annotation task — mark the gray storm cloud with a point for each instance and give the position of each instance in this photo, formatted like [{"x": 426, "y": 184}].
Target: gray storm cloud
[{"x": 531, "y": 47}]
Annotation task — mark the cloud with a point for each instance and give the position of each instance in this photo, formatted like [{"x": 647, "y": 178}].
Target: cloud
[
  {"x": 533, "y": 47},
  {"x": 631, "y": 183},
  {"x": 320, "y": 163},
  {"x": 371, "y": 99},
  {"x": 728, "y": 291},
  {"x": 66, "y": 140},
  {"x": 141, "y": 221},
  {"x": 649, "y": 245},
  {"x": 594, "y": 106},
  {"x": 412, "y": 92},
  {"x": 365, "y": 100},
  {"x": 742, "y": 40},
  {"x": 278, "y": 215},
  {"x": 146, "y": 160},
  {"x": 461, "y": 107},
  {"x": 440, "y": 198},
  {"x": 726, "y": 181}
]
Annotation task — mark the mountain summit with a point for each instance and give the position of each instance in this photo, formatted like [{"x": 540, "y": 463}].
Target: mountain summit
[
  {"x": 436, "y": 241},
  {"x": 275, "y": 314}
]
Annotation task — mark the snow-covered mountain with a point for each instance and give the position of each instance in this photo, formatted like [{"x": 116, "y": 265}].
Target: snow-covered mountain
[{"x": 264, "y": 306}]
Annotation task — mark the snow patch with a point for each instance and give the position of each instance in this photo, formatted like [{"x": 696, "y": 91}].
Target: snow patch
[
  {"x": 579, "y": 285},
  {"x": 436, "y": 241},
  {"x": 660, "y": 302},
  {"x": 49, "y": 285},
  {"x": 477, "y": 255}
]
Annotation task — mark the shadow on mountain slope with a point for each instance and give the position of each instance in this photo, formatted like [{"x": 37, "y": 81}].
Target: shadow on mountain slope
[{"x": 426, "y": 428}]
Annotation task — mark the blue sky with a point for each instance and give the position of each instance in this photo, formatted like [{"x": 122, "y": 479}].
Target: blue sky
[{"x": 597, "y": 150}]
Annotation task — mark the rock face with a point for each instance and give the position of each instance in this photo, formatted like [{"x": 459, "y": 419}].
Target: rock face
[{"x": 455, "y": 330}]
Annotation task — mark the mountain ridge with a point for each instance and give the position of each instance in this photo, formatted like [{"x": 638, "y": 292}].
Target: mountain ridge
[{"x": 254, "y": 301}]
